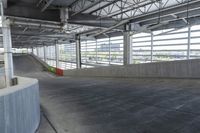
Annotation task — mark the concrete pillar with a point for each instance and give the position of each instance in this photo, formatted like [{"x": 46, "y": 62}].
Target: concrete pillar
[
  {"x": 189, "y": 42},
  {"x": 7, "y": 43},
  {"x": 57, "y": 54},
  {"x": 127, "y": 46},
  {"x": 78, "y": 52}
]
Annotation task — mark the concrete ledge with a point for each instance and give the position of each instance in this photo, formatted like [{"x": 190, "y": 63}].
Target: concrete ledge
[
  {"x": 20, "y": 107},
  {"x": 172, "y": 69}
]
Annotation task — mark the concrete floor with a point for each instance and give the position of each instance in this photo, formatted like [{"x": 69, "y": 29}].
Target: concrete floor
[{"x": 105, "y": 105}]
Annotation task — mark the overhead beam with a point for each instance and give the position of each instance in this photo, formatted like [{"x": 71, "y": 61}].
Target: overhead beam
[
  {"x": 113, "y": 27},
  {"x": 133, "y": 8},
  {"x": 34, "y": 34},
  {"x": 38, "y": 25},
  {"x": 180, "y": 23},
  {"x": 178, "y": 15},
  {"x": 155, "y": 14},
  {"x": 32, "y": 13},
  {"x": 167, "y": 11},
  {"x": 91, "y": 20},
  {"x": 104, "y": 6},
  {"x": 87, "y": 7}
]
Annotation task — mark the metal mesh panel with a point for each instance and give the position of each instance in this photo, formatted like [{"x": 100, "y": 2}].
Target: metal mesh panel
[
  {"x": 102, "y": 52},
  {"x": 163, "y": 45},
  {"x": 141, "y": 48},
  {"x": 170, "y": 46},
  {"x": 195, "y": 42},
  {"x": 67, "y": 56}
]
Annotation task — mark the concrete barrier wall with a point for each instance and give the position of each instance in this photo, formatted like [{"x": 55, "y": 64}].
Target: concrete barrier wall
[
  {"x": 172, "y": 69},
  {"x": 20, "y": 107}
]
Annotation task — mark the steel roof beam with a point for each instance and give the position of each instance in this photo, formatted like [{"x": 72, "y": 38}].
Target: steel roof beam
[
  {"x": 39, "y": 25},
  {"x": 178, "y": 15},
  {"x": 134, "y": 8},
  {"x": 108, "y": 4},
  {"x": 22, "y": 11},
  {"x": 46, "y": 5},
  {"x": 72, "y": 4},
  {"x": 155, "y": 14},
  {"x": 180, "y": 23},
  {"x": 167, "y": 11},
  {"x": 87, "y": 7},
  {"x": 33, "y": 34}
]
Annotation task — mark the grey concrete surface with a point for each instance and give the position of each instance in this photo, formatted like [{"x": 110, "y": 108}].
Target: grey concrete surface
[
  {"x": 45, "y": 127},
  {"x": 171, "y": 69},
  {"x": 44, "y": 64},
  {"x": 116, "y": 105},
  {"x": 20, "y": 107}
]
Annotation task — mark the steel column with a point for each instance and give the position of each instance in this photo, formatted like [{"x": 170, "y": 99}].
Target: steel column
[
  {"x": 127, "y": 46},
  {"x": 96, "y": 51},
  {"x": 151, "y": 46},
  {"x": 45, "y": 57},
  {"x": 7, "y": 43},
  {"x": 57, "y": 54},
  {"x": 189, "y": 42},
  {"x": 109, "y": 51},
  {"x": 37, "y": 51},
  {"x": 78, "y": 52},
  {"x": 32, "y": 50}
]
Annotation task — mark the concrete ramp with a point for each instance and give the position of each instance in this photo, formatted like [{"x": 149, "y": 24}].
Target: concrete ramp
[
  {"x": 116, "y": 105},
  {"x": 26, "y": 64}
]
